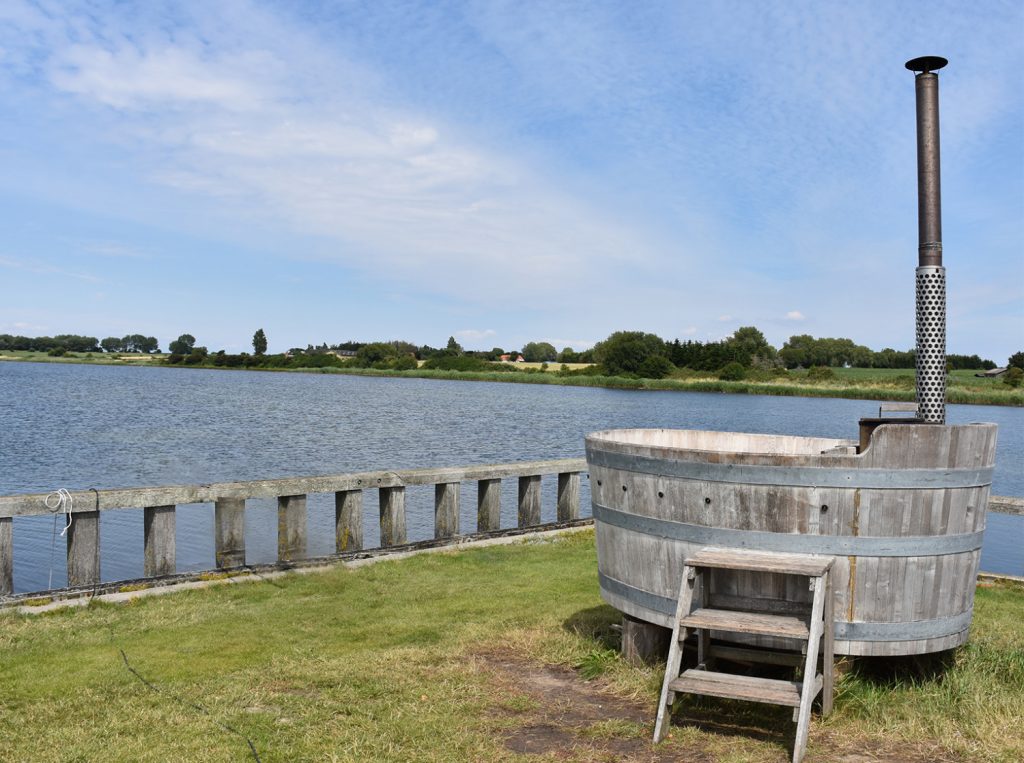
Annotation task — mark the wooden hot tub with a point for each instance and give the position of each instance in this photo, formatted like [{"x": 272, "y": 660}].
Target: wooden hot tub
[{"x": 904, "y": 520}]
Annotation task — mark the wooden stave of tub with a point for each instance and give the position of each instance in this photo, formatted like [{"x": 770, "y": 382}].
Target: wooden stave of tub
[{"x": 906, "y": 516}]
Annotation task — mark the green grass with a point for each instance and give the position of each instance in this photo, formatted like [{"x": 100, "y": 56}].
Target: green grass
[
  {"x": 389, "y": 662},
  {"x": 851, "y": 383},
  {"x": 99, "y": 358},
  {"x": 873, "y": 384},
  {"x": 973, "y": 707}
]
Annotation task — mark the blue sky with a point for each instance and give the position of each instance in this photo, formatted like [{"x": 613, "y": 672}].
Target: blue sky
[{"x": 503, "y": 171}]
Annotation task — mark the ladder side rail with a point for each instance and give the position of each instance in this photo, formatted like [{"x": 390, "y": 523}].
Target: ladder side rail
[
  {"x": 675, "y": 652},
  {"x": 809, "y": 678},
  {"x": 828, "y": 648}
]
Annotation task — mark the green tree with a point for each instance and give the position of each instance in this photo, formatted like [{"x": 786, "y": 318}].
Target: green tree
[
  {"x": 76, "y": 343},
  {"x": 1016, "y": 360},
  {"x": 259, "y": 342},
  {"x": 111, "y": 344},
  {"x": 732, "y": 371},
  {"x": 1013, "y": 376},
  {"x": 377, "y": 354},
  {"x": 132, "y": 343},
  {"x": 625, "y": 352},
  {"x": 182, "y": 345},
  {"x": 747, "y": 343},
  {"x": 196, "y": 356},
  {"x": 453, "y": 347},
  {"x": 537, "y": 352}
]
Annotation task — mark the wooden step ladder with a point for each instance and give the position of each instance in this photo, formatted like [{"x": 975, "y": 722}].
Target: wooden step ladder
[{"x": 813, "y": 627}]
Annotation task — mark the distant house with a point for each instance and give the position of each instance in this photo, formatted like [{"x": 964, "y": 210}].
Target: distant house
[
  {"x": 344, "y": 353},
  {"x": 507, "y": 358},
  {"x": 991, "y": 373}
]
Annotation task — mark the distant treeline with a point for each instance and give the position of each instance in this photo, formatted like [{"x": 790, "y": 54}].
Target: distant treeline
[
  {"x": 624, "y": 353},
  {"x": 76, "y": 343},
  {"x": 746, "y": 354}
]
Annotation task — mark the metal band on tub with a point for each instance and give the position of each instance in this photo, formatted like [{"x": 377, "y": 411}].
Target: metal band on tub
[
  {"x": 797, "y": 476},
  {"x": 915, "y": 630},
  {"x": 795, "y": 543}
]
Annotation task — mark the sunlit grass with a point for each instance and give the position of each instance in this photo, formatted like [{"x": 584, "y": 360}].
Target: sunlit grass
[{"x": 389, "y": 662}]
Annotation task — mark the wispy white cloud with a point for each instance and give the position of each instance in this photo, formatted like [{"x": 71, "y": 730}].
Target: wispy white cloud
[
  {"x": 168, "y": 78},
  {"x": 20, "y": 326},
  {"x": 577, "y": 344},
  {"x": 243, "y": 122},
  {"x": 115, "y": 249},
  {"x": 38, "y": 267},
  {"x": 474, "y": 335},
  {"x": 795, "y": 315}
]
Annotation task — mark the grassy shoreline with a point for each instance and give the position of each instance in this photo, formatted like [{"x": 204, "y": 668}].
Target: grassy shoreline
[
  {"x": 856, "y": 383},
  {"x": 427, "y": 659}
]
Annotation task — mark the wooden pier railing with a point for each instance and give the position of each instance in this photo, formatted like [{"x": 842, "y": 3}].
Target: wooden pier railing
[{"x": 228, "y": 498}]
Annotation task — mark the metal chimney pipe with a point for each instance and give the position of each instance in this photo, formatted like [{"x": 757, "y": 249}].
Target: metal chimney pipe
[{"x": 931, "y": 275}]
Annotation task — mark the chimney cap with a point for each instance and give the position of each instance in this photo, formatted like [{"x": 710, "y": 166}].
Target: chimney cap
[{"x": 926, "y": 63}]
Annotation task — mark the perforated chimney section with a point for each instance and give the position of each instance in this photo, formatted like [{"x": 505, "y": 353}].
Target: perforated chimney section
[{"x": 931, "y": 344}]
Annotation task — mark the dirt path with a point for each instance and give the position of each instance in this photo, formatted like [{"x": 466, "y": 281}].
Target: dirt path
[{"x": 559, "y": 716}]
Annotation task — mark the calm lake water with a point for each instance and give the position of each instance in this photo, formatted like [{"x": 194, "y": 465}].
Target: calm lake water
[{"x": 81, "y": 426}]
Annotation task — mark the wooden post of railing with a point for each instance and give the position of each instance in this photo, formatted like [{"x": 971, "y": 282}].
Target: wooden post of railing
[
  {"x": 348, "y": 520},
  {"x": 158, "y": 534},
  {"x": 568, "y": 496},
  {"x": 229, "y": 532},
  {"x": 84, "y": 548},
  {"x": 488, "y": 505},
  {"x": 392, "y": 516},
  {"x": 446, "y": 509},
  {"x": 6, "y": 556},
  {"x": 529, "y": 501},
  {"x": 291, "y": 528}
]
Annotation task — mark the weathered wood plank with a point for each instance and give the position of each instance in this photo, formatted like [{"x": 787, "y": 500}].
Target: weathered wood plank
[
  {"x": 6, "y": 556},
  {"x": 1006, "y": 505},
  {"x": 768, "y": 690},
  {"x": 488, "y": 505},
  {"x": 446, "y": 509},
  {"x": 229, "y": 532},
  {"x": 644, "y": 643},
  {"x": 392, "y": 516},
  {"x": 529, "y": 501},
  {"x": 291, "y": 528},
  {"x": 137, "y": 498},
  {"x": 761, "y": 561},
  {"x": 747, "y": 622},
  {"x": 83, "y": 540},
  {"x": 568, "y": 496},
  {"x": 159, "y": 541},
  {"x": 348, "y": 520}
]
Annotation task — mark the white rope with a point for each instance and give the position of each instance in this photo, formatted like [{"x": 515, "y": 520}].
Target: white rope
[{"x": 63, "y": 503}]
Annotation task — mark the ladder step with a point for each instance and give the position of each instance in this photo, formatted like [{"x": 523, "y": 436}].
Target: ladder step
[
  {"x": 748, "y": 622},
  {"x": 768, "y": 690},
  {"x": 761, "y": 561}
]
